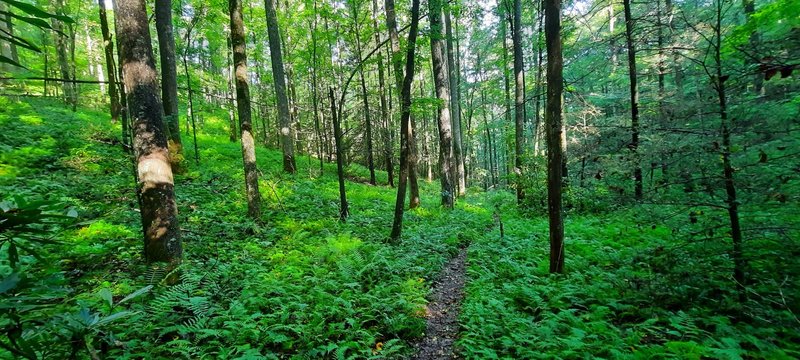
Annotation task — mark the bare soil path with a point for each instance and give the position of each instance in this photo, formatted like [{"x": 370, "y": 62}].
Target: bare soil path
[{"x": 442, "y": 311}]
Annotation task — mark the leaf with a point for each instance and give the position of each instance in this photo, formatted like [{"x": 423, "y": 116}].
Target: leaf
[
  {"x": 9, "y": 282},
  {"x": 6, "y": 60},
  {"x": 136, "y": 293},
  {"x": 113, "y": 317},
  {"x": 37, "y": 12},
  {"x": 106, "y": 295}
]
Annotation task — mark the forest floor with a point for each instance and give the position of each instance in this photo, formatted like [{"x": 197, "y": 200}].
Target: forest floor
[
  {"x": 442, "y": 311},
  {"x": 298, "y": 283}
]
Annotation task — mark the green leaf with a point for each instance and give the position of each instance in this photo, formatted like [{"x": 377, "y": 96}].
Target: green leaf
[
  {"x": 136, "y": 293},
  {"x": 37, "y": 12},
  {"x": 106, "y": 295},
  {"x": 6, "y": 60},
  {"x": 9, "y": 282}
]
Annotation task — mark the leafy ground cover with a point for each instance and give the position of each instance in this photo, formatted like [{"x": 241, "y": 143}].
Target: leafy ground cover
[{"x": 301, "y": 284}]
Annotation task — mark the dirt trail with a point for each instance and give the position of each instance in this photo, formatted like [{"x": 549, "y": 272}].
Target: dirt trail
[{"x": 442, "y": 311}]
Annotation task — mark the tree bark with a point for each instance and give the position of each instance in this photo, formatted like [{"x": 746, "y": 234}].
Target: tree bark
[
  {"x": 243, "y": 109},
  {"x": 169, "y": 75},
  {"x": 405, "y": 119},
  {"x": 441, "y": 83},
  {"x": 231, "y": 103},
  {"x": 364, "y": 97},
  {"x": 519, "y": 100},
  {"x": 158, "y": 209},
  {"x": 62, "y": 52},
  {"x": 555, "y": 89},
  {"x": 455, "y": 107},
  {"x": 286, "y": 131},
  {"x": 634, "y": 145}
]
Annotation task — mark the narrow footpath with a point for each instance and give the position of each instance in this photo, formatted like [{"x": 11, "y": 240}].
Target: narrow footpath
[{"x": 442, "y": 311}]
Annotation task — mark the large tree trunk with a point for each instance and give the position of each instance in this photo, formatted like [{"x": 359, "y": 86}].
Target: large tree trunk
[
  {"x": 108, "y": 47},
  {"x": 243, "y": 109},
  {"x": 286, "y": 131},
  {"x": 231, "y": 103},
  {"x": 397, "y": 62},
  {"x": 634, "y": 145},
  {"x": 344, "y": 208},
  {"x": 169, "y": 75},
  {"x": 158, "y": 209},
  {"x": 405, "y": 119},
  {"x": 441, "y": 82},
  {"x": 455, "y": 106},
  {"x": 519, "y": 100},
  {"x": 555, "y": 88}
]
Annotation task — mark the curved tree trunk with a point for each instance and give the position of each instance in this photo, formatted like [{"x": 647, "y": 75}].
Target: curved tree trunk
[
  {"x": 405, "y": 119},
  {"x": 243, "y": 108},
  {"x": 158, "y": 209}
]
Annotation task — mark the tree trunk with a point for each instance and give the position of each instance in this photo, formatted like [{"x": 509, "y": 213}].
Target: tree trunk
[
  {"x": 286, "y": 131},
  {"x": 231, "y": 103},
  {"x": 397, "y": 62},
  {"x": 169, "y": 76},
  {"x": 387, "y": 137},
  {"x": 749, "y": 7},
  {"x": 634, "y": 145},
  {"x": 158, "y": 209},
  {"x": 243, "y": 107},
  {"x": 555, "y": 88},
  {"x": 455, "y": 106},
  {"x": 62, "y": 53},
  {"x": 441, "y": 82},
  {"x": 405, "y": 119},
  {"x": 344, "y": 208},
  {"x": 519, "y": 100},
  {"x": 739, "y": 262},
  {"x": 108, "y": 47},
  {"x": 314, "y": 92},
  {"x": 365, "y": 98}
]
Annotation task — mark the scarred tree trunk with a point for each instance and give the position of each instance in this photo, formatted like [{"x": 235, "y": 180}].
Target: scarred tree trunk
[
  {"x": 455, "y": 107},
  {"x": 405, "y": 119},
  {"x": 555, "y": 88},
  {"x": 158, "y": 209},
  {"x": 634, "y": 145},
  {"x": 519, "y": 99},
  {"x": 108, "y": 47},
  {"x": 278, "y": 74},
  {"x": 441, "y": 83},
  {"x": 169, "y": 75},
  {"x": 243, "y": 109}
]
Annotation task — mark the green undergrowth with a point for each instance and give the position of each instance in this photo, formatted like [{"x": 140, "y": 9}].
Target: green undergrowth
[
  {"x": 629, "y": 291},
  {"x": 296, "y": 284}
]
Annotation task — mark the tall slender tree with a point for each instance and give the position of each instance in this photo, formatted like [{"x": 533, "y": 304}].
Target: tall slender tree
[
  {"x": 279, "y": 76},
  {"x": 159, "y": 211},
  {"x": 108, "y": 48},
  {"x": 169, "y": 75},
  {"x": 405, "y": 121},
  {"x": 442, "y": 84},
  {"x": 455, "y": 104},
  {"x": 555, "y": 89},
  {"x": 243, "y": 108},
  {"x": 634, "y": 145},
  {"x": 519, "y": 98}
]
